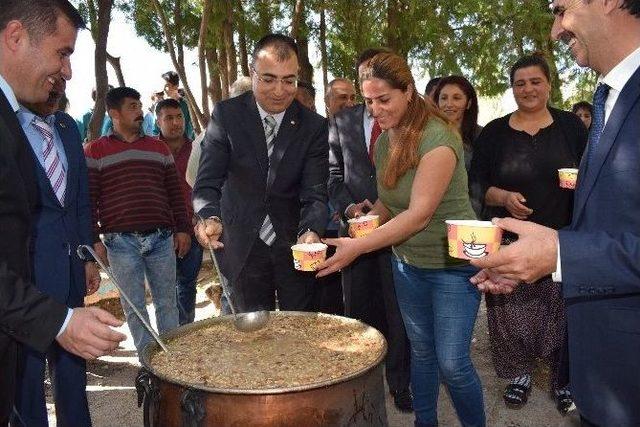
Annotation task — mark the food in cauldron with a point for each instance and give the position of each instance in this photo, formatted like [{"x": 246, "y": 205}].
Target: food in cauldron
[{"x": 291, "y": 351}]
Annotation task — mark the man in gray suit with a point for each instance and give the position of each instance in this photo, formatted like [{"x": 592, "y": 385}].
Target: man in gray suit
[
  {"x": 262, "y": 183},
  {"x": 367, "y": 284}
]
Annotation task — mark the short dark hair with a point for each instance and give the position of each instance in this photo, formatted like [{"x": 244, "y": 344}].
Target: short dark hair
[
  {"x": 39, "y": 17},
  {"x": 534, "y": 60},
  {"x": 171, "y": 77},
  {"x": 94, "y": 92},
  {"x": 115, "y": 97},
  {"x": 283, "y": 46},
  {"x": 166, "y": 103},
  {"x": 308, "y": 87},
  {"x": 470, "y": 117},
  {"x": 369, "y": 53},
  {"x": 633, "y": 6},
  {"x": 431, "y": 85},
  {"x": 582, "y": 105}
]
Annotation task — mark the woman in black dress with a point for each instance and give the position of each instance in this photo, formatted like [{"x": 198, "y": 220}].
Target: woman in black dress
[{"x": 515, "y": 173}]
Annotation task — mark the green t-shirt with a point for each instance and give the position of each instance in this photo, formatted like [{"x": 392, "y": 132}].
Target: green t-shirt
[{"x": 428, "y": 248}]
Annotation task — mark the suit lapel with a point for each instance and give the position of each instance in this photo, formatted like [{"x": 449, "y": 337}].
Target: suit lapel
[
  {"x": 253, "y": 125},
  {"x": 287, "y": 129},
  {"x": 621, "y": 109},
  {"x": 18, "y": 147},
  {"x": 361, "y": 137}
]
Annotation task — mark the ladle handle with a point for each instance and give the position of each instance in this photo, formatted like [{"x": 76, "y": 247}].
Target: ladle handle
[
  {"x": 222, "y": 279},
  {"x": 107, "y": 270}
]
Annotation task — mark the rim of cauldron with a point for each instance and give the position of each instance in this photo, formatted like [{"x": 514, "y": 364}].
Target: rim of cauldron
[{"x": 153, "y": 347}]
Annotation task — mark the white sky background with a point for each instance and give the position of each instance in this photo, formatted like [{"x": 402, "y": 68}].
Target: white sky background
[{"x": 142, "y": 66}]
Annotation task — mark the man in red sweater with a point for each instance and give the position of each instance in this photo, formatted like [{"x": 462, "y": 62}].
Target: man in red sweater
[
  {"x": 172, "y": 124},
  {"x": 139, "y": 209}
]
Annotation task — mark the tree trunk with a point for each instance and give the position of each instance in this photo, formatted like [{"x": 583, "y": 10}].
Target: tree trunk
[
  {"x": 298, "y": 16},
  {"x": 323, "y": 48},
  {"x": 264, "y": 16},
  {"x": 215, "y": 90},
  {"x": 202, "y": 60},
  {"x": 102, "y": 81},
  {"x": 299, "y": 32},
  {"x": 115, "y": 64},
  {"x": 392, "y": 25},
  {"x": 242, "y": 37},
  {"x": 224, "y": 71},
  {"x": 179, "y": 67},
  {"x": 229, "y": 45},
  {"x": 177, "y": 21}
]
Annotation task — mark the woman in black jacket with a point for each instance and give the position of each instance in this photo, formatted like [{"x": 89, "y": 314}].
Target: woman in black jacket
[{"x": 514, "y": 173}]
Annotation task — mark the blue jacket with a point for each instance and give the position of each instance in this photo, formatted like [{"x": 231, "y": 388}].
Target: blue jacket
[
  {"x": 58, "y": 230},
  {"x": 600, "y": 255}
]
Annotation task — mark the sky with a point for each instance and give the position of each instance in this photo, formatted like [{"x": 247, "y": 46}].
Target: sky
[{"x": 142, "y": 66}]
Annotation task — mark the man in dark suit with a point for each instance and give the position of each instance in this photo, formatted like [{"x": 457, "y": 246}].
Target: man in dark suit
[
  {"x": 62, "y": 220},
  {"x": 367, "y": 284},
  {"x": 262, "y": 183},
  {"x": 36, "y": 39},
  {"x": 597, "y": 258}
]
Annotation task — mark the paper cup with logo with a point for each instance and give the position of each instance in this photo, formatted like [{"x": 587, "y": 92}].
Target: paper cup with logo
[
  {"x": 307, "y": 256},
  {"x": 361, "y": 226},
  {"x": 568, "y": 177},
  {"x": 469, "y": 239}
]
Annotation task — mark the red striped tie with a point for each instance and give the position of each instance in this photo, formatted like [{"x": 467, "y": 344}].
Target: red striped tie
[{"x": 52, "y": 164}]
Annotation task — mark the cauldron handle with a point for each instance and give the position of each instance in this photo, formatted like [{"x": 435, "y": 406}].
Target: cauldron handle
[
  {"x": 148, "y": 394},
  {"x": 193, "y": 410}
]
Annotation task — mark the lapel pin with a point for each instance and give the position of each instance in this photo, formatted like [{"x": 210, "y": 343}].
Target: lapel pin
[
  {"x": 62, "y": 125},
  {"x": 293, "y": 122}
]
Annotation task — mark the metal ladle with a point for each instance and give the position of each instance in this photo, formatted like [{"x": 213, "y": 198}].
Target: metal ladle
[
  {"x": 109, "y": 273},
  {"x": 245, "y": 322}
]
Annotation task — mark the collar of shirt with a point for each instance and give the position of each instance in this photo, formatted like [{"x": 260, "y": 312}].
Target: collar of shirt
[
  {"x": 26, "y": 117},
  {"x": 279, "y": 117},
  {"x": 367, "y": 124},
  {"x": 9, "y": 94},
  {"x": 618, "y": 77},
  {"x": 113, "y": 134}
]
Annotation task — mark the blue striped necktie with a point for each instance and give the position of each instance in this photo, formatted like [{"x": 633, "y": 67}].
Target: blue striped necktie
[
  {"x": 267, "y": 232},
  {"x": 597, "y": 124}
]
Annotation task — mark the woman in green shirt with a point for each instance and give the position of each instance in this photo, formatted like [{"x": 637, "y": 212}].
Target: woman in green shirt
[{"x": 421, "y": 182}]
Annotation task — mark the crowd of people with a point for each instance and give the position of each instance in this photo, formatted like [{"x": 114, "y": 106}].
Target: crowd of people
[{"x": 269, "y": 172}]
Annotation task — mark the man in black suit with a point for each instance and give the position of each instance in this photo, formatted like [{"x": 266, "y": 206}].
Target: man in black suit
[
  {"x": 262, "y": 183},
  {"x": 367, "y": 284},
  {"x": 36, "y": 40}
]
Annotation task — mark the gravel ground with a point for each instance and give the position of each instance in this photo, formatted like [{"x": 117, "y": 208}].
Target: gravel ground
[{"x": 113, "y": 401}]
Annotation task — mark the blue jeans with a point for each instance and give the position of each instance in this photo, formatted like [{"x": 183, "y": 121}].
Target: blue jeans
[
  {"x": 133, "y": 257},
  {"x": 187, "y": 269},
  {"x": 439, "y": 308}
]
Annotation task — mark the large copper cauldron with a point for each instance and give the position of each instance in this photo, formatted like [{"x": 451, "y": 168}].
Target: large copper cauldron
[{"x": 355, "y": 400}]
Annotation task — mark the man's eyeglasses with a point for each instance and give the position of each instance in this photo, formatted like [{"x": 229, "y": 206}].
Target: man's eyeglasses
[{"x": 270, "y": 80}]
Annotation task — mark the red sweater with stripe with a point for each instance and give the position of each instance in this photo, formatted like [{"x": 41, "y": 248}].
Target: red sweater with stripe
[{"x": 134, "y": 186}]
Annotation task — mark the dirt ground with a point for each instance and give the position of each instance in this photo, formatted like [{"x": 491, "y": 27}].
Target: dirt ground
[{"x": 113, "y": 401}]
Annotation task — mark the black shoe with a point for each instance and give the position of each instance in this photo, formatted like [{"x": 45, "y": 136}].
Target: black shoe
[
  {"x": 403, "y": 400},
  {"x": 564, "y": 402}
]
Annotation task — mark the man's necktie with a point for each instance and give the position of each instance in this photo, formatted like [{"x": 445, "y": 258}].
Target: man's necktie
[
  {"x": 376, "y": 130},
  {"x": 267, "y": 232},
  {"x": 597, "y": 124},
  {"x": 52, "y": 164}
]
